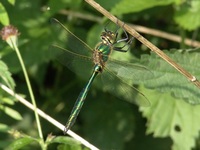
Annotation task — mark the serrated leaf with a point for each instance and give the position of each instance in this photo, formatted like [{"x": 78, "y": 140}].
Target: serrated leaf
[
  {"x": 170, "y": 117},
  {"x": 11, "y": 112},
  {"x": 4, "y": 19},
  {"x": 188, "y": 16},
  {"x": 129, "y": 6},
  {"x": 5, "y": 75},
  {"x": 168, "y": 79},
  {"x": 20, "y": 143}
]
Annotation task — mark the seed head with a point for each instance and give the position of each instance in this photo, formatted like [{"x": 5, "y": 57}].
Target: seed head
[{"x": 9, "y": 34}]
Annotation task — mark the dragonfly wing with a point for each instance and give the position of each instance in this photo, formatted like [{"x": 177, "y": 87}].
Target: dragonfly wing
[
  {"x": 65, "y": 38},
  {"x": 123, "y": 90},
  {"x": 129, "y": 70},
  {"x": 80, "y": 64}
]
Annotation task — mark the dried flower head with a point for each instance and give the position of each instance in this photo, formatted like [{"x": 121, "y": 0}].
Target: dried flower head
[{"x": 9, "y": 34}]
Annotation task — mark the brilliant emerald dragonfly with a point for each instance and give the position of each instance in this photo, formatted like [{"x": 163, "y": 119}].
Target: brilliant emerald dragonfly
[{"x": 82, "y": 59}]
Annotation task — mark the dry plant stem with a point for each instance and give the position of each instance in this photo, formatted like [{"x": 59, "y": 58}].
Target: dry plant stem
[
  {"x": 155, "y": 49},
  {"x": 141, "y": 29},
  {"x": 47, "y": 117},
  {"x": 165, "y": 35}
]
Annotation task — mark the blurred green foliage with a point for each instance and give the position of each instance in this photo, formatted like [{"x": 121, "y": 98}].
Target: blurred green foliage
[{"x": 171, "y": 122}]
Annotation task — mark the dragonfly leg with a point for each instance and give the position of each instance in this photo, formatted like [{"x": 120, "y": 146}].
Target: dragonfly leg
[{"x": 120, "y": 49}]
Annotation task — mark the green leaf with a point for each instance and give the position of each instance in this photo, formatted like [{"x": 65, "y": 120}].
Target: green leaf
[
  {"x": 4, "y": 127},
  {"x": 12, "y": 2},
  {"x": 170, "y": 117},
  {"x": 168, "y": 79},
  {"x": 68, "y": 147},
  {"x": 188, "y": 16},
  {"x": 11, "y": 112},
  {"x": 8, "y": 100},
  {"x": 64, "y": 140},
  {"x": 129, "y": 6},
  {"x": 108, "y": 4},
  {"x": 3, "y": 15},
  {"x": 20, "y": 143},
  {"x": 5, "y": 75}
]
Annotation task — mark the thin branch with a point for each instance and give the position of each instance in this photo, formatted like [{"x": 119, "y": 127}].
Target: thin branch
[
  {"x": 147, "y": 43},
  {"x": 165, "y": 35},
  {"x": 81, "y": 15},
  {"x": 139, "y": 28},
  {"x": 47, "y": 117}
]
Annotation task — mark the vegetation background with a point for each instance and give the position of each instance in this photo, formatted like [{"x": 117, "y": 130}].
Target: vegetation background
[{"x": 171, "y": 122}]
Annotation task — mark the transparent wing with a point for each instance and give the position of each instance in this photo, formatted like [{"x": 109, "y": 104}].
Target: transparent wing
[
  {"x": 122, "y": 90},
  {"x": 65, "y": 38},
  {"x": 129, "y": 70},
  {"x": 80, "y": 64}
]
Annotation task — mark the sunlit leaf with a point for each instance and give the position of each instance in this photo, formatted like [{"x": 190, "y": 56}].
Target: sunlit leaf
[
  {"x": 188, "y": 16},
  {"x": 128, "y": 6},
  {"x": 3, "y": 15},
  {"x": 170, "y": 117},
  {"x": 11, "y": 2},
  {"x": 168, "y": 79}
]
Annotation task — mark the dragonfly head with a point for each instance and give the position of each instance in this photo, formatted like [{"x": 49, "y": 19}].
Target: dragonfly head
[{"x": 108, "y": 37}]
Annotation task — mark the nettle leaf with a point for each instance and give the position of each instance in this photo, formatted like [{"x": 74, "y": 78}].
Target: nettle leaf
[
  {"x": 168, "y": 79},
  {"x": 170, "y": 117},
  {"x": 188, "y": 16},
  {"x": 5, "y": 75},
  {"x": 128, "y": 6}
]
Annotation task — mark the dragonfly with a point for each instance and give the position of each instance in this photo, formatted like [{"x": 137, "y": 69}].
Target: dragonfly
[{"x": 81, "y": 59}]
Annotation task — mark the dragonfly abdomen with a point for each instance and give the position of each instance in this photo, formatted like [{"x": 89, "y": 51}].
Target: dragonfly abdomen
[{"x": 80, "y": 100}]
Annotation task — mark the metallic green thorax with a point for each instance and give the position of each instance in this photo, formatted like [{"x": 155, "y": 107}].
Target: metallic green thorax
[
  {"x": 104, "y": 48},
  {"x": 100, "y": 56}
]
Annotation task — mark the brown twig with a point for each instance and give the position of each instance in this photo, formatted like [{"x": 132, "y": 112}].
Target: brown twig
[
  {"x": 155, "y": 49},
  {"x": 165, "y": 35},
  {"x": 139, "y": 28}
]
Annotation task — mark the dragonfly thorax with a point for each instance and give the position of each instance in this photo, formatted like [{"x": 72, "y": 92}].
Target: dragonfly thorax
[
  {"x": 108, "y": 37},
  {"x": 98, "y": 59},
  {"x": 101, "y": 54}
]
